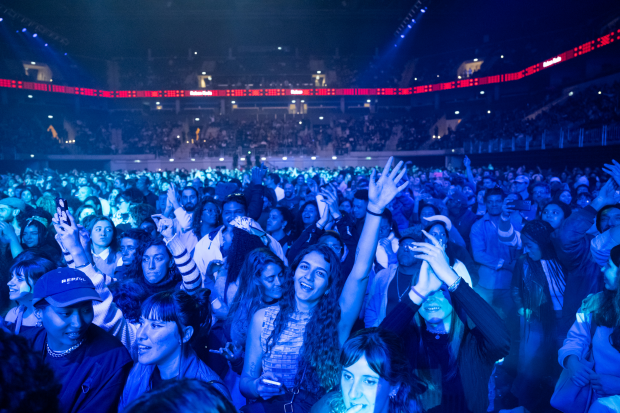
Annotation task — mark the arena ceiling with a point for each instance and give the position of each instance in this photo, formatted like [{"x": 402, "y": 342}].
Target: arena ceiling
[{"x": 117, "y": 28}]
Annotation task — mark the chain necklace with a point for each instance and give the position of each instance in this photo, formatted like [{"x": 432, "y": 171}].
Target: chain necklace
[
  {"x": 59, "y": 354},
  {"x": 400, "y": 296}
]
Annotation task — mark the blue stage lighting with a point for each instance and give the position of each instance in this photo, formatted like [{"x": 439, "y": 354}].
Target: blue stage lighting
[
  {"x": 35, "y": 35},
  {"x": 412, "y": 20},
  {"x": 65, "y": 54},
  {"x": 402, "y": 35},
  {"x": 423, "y": 11},
  {"x": 395, "y": 45},
  {"x": 409, "y": 26},
  {"x": 45, "y": 44},
  {"x": 1, "y": 19},
  {"x": 24, "y": 29}
]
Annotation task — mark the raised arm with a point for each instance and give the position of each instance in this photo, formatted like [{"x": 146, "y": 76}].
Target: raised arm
[
  {"x": 184, "y": 261},
  {"x": 380, "y": 193}
]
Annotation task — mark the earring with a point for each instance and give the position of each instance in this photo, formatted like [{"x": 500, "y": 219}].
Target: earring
[{"x": 326, "y": 292}]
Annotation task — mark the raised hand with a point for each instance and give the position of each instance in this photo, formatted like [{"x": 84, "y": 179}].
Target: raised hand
[
  {"x": 467, "y": 162},
  {"x": 172, "y": 197},
  {"x": 258, "y": 173},
  {"x": 436, "y": 257},
  {"x": 69, "y": 234},
  {"x": 331, "y": 199},
  {"x": 608, "y": 195},
  {"x": 165, "y": 226},
  {"x": 383, "y": 190},
  {"x": 613, "y": 170}
]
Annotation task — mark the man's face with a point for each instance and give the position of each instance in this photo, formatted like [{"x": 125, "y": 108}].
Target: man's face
[
  {"x": 405, "y": 253},
  {"x": 289, "y": 190},
  {"x": 66, "y": 326},
  {"x": 494, "y": 204},
  {"x": 118, "y": 184},
  {"x": 520, "y": 186},
  {"x": 359, "y": 208},
  {"x": 610, "y": 218},
  {"x": 540, "y": 194},
  {"x": 6, "y": 213},
  {"x": 83, "y": 193},
  {"x": 269, "y": 182},
  {"x": 189, "y": 200},
  {"x": 488, "y": 183}
]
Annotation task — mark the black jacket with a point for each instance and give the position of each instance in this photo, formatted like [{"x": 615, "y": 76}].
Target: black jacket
[
  {"x": 92, "y": 376},
  {"x": 484, "y": 344}
]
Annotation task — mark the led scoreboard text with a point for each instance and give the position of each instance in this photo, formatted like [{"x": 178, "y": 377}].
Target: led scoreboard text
[{"x": 457, "y": 84}]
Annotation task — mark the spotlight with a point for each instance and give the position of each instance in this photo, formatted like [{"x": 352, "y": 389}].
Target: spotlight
[
  {"x": 193, "y": 160},
  {"x": 293, "y": 101},
  {"x": 423, "y": 11},
  {"x": 412, "y": 20},
  {"x": 320, "y": 117},
  {"x": 415, "y": 78},
  {"x": 197, "y": 119},
  {"x": 475, "y": 60},
  {"x": 279, "y": 48},
  {"x": 29, "y": 96},
  {"x": 482, "y": 92},
  {"x": 221, "y": 159},
  {"x": 368, "y": 101},
  {"x": 302, "y": 101},
  {"x": 195, "y": 52},
  {"x": 33, "y": 63},
  {"x": 334, "y": 157},
  {"x": 233, "y": 102},
  {"x": 318, "y": 71},
  {"x": 1, "y": 19},
  {"x": 300, "y": 122},
  {"x": 204, "y": 73},
  {"x": 50, "y": 116},
  {"x": 35, "y": 35},
  {"x": 402, "y": 36},
  {"x": 65, "y": 54},
  {"x": 157, "y": 103},
  {"x": 457, "y": 112},
  {"x": 313, "y": 158},
  {"x": 45, "y": 44},
  {"x": 171, "y": 160},
  {"x": 599, "y": 92},
  {"x": 409, "y": 26},
  {"x": 488, "y": 111},
  {"x": 23, "y": 30},
  {"x": 32, "y": 156},
  {"x": 502, "y": 56},
  {"x": 368, "y": 158},
  {"x": 284, "y": 158},
  {"x": 570, "y": 93},
  {"x": 395, "y": 46},
  {"x": 263, "y": 159}
]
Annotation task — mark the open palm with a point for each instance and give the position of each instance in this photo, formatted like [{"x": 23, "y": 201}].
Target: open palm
[{"x": 383, "y": 190}]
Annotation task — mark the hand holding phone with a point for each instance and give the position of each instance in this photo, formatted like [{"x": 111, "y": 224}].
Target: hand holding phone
[{"x": 61, "y": 206}]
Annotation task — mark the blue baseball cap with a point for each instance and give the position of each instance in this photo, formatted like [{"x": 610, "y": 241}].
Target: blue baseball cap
[{"x": 63, "y": 287}]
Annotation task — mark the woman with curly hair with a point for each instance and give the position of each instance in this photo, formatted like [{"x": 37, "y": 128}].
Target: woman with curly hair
[
  {"x": 375, "y": 378},
  {"x": 307, "y": 216},
  {"x": 297, "y": 343}
]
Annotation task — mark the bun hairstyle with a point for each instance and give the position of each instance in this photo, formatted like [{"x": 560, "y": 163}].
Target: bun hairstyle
[{"x": 183, "y": 309}]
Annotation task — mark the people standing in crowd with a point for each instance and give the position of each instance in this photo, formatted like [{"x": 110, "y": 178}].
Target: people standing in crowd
[
  {"x": 129, "y": 242},
  {"x": 280, "y": 226},
  {"x": 308, "y": 314},
  {"x": 104, "y": 245},
  {"x": 496, "y": 259}
]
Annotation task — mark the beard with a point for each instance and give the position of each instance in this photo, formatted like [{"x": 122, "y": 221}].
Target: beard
[{"x": 189, "y": 207}]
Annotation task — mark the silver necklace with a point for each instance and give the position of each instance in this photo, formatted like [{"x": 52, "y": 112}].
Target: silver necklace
[
  {"x": 59, "y": 354},
  {"x": 400, "y": 296}
]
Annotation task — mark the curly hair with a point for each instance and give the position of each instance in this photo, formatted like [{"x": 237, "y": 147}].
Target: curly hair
[
  {"x": 299, "y": 222},
  {"x": 321, "y": 348},
  {"x": 197, "y": 216},
  {"x": 128, "y": 295},
  {"x": 248, "y": 299},
  {"x": 241, "y": 245},
  {"x": 140, "y": 212},
  {"x": 135, "y": 268},
  {"x": 385, "y": 353},
  {"x": 27, "y": 383}
]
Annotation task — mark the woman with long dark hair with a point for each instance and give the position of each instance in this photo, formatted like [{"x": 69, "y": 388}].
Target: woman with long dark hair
[
  {"x": 376, "y": 377},
  {"x": 598, "y": 325},
  {"x": 297, "y": 343},
  {"x": 24, "y": 275},
  {"x": 104, "y": 244},
  {"x": 452, "y": 358},
  {"x": 307, "y": 216},
  {"x": 169, "y": 321}
]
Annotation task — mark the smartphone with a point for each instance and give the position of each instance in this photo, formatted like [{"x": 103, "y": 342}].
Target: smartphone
[
  {"x": 61, "y": 204},
  {"x": 271, "y": 382},
  {"x": 520, "y": 205},
  {"x": 322, "y": 205}
]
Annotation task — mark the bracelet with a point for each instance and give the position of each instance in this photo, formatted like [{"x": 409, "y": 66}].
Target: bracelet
[
  {"x": 455, "y": 285},
  {"x": 418, "y": 294},
  {"x": 373, "y": 213}
]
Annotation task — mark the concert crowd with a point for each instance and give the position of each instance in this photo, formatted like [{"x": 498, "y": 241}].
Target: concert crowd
[{"x": 258, "y": 290}]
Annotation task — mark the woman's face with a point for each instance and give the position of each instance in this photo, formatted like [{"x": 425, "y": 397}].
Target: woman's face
[
  {"x": 554, "y": 215},
  {"x": 18, "y": 287},
  {"x": 361, "y": 385},
  {"x": 531, "y": 248},
  {"x": 610, "y": 271},
  {"x": 310, "y": 215},
  {"x": 436, "y": 309},
  {"x": 480, "y": 197},
  {"x": 270, "y": 282},
  {"x": 384, "y": 228},
  {"x": 345, "y": 206},
  {"x": 158, "y": 341},
  {"x": 275, "y": 222},
  {"x": 311, "y": 277},
  {"x": 30, "y": 236},
  {"x": 26, "y": 196},
  {"x": 566, "y": 197},
  {"x": 439, "y": 232},
  {"x": 427, "y": 212},
  {"x": 155, "y": 263},
  {"x": 128, "y": 250},
  {"x": 583, "y": 201},
  {"x": 102, "y": 233},
  {"x": 209, "y": 214}
]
